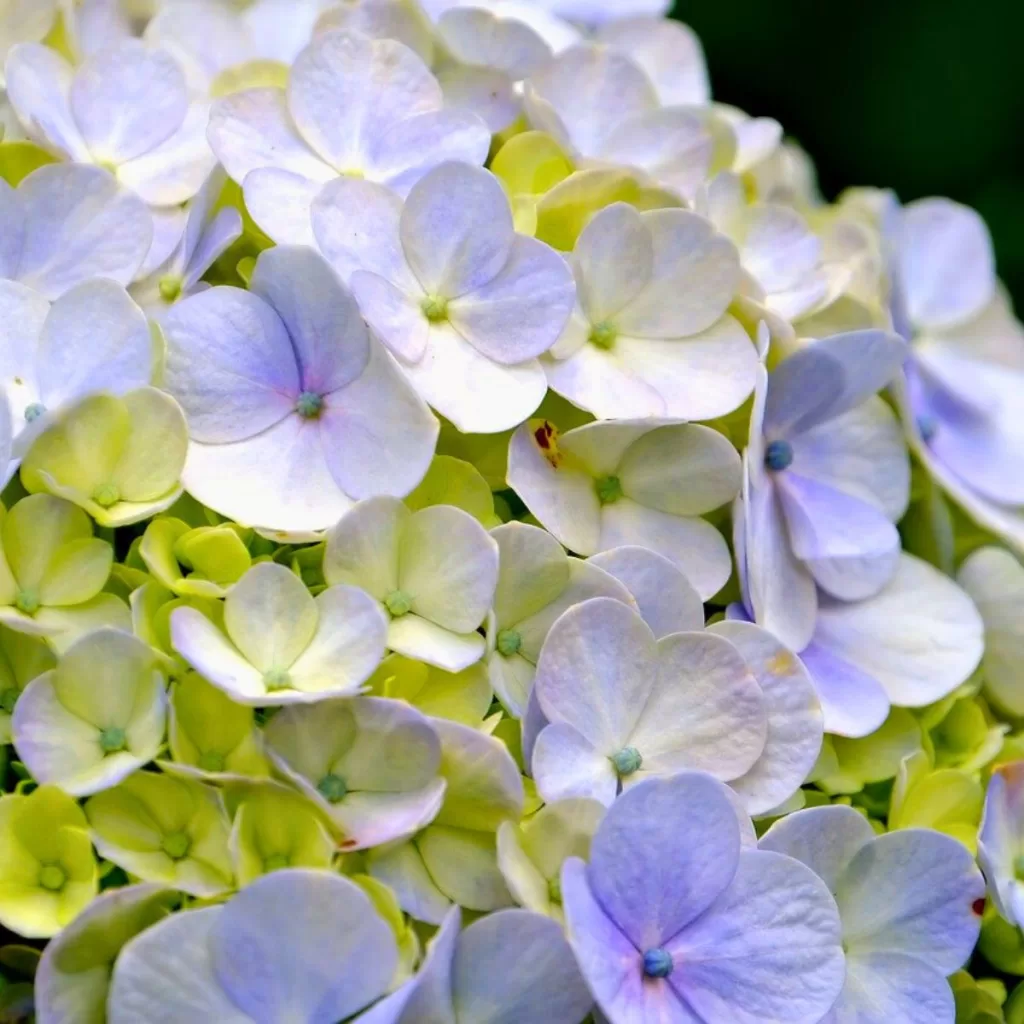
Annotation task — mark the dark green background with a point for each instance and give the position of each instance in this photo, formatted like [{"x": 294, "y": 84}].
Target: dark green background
[{"x": 923, "y": 97}]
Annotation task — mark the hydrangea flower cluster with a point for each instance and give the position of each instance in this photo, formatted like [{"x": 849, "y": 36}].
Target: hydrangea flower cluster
[{"x": 484, "y": 541}]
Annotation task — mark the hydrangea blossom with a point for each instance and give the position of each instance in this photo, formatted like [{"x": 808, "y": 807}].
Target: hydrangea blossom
[
  {"x": 1001, "y": 840},
  {"x": 354, "y": 106},
  {"x": 464, "y": 303},
  {"x": 755, "y": 935},
  {"x": 907, "y": 905}
]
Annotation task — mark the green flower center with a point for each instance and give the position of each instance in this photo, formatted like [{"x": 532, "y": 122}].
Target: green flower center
[
  {"x": 52, "y": 877},
  {"x": 176, "y": 845},
  {"x": 603, "y": 335},
  {"x": 435, "y": 309},
  {"x": 609, "y": 489},
  {"x": 8, "y": 698},
  {"x": 398, "y": 603},
  {"x": 275, "y": 862},
  {"x": 555, "y": 889},
  {"x": 509, "y": 642},
  {"x": 112, "y": 740},
  {"x": 211, "y": 761},
  {"x": 276, "y": 679},
  {"x": 106, "y": 495},
  {"x": 332, "y": 788},
  {"x": 170, "y": 287},
  {"x": 27, "y": 601},
  {"x": 309, "y": 405},
  {"x": 627, "y": 760},
  {"x": 34, "y": 411}
]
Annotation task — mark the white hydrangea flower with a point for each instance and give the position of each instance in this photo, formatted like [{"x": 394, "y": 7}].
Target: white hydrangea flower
[
  {"x": 24, "y": 21},
  {"x": 907, "y": 906},
  {"x": 279, "y": 644},
  {"x": 126, "y": 109},
  {"x": 354, "y": 106},
  {"x": 464, "y": 302},
  {"x": 623, "y": 707},
  {"x": 1001, "y": 840},
  {"x": 641, "y": 482},
  {"x": 603, "y": 109},
  {"x": 52, "y": 355},
  {"x": 94, "y": 25},
  {"x": 368, "y": 763},
  {"x": 205, "y": 234},
  {"x": 294, "y": 410},
  {"x": 537, "y": 581},
  {"x": 650, "y": 334},
  {"x": 432, "y": 573},
  {"x": 67, "y": 223},
  {"x": 406, "y": 21}
]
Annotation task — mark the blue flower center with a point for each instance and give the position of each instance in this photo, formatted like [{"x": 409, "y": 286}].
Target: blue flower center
[
  {"x": 778, "y": 456},
  {"x": 627, "y": 760},
  {"x": 657, "y": 963}
]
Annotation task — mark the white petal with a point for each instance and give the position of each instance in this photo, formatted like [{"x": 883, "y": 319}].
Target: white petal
[
  {"x": 854, "y": 703},
  {"x": 921, "y": 637},
  {"x": 795, "y": 720},
  {"x": 946, "y": 263},
  {"x": 890, "y": 986},
  {"x": 126, "y": 100},
  {"x": 423, "y": 640},
  {"x": 565, "y": 765},
  {"x": 490, "y": 95},
  {"x": 280, "y": 202},
  {"x": 79, "y": 224},
  {"x": 253, "y": 129},
  {"x": 363, "y": 548},
  {"x": 207, "y": 650}
]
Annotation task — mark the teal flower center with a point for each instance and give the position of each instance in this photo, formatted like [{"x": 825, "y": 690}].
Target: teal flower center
[
  {"x": 52, "y": 877},
  {"x": 398, "y": 603},
  {"x": 657, "y": 963},
  {"x": 27, "y": 601},
  {"x": 778, "y": 456},
  {"x": 627, "y": 760},
  {"x": 276, "y": 679},
  {"x": 112, "y": 740},
  {"x": 309, "y": 405},
  {"x": 609, "y": 489},
  {"x": 34, "y": 411},
  {"x": 176, "y": 845},
  {"x": 509, "y": 642},
  {"x": 332, "y": 788}
]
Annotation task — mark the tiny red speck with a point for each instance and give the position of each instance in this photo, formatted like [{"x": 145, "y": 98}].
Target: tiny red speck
[
  {"x": 348, "y": 844},
  {"x": 978, "y": 906}
]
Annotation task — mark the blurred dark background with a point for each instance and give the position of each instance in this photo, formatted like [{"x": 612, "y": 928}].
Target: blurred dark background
[{"x": 923, "y": 96}]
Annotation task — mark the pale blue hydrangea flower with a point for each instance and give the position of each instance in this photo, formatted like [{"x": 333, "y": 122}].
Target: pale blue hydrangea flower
[
  {"x": 285, "y": 393},
  {"x": 1001, "y": 841},
  {"x": 354, "y": 106},
  {"x": 908, "y": 906},
  {"x": 672, "y": 920},
  {"x": 511, "y": 966},
  {"x": 296, "y": 944}
]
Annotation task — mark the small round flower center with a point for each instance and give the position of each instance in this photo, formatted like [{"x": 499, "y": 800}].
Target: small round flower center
[
  {"x": 435, "y": 309},
  {"x": 927, "y": 427},
  {"x": 211, "y": 761},
  {"x": 112, "y": 739},
  {"x": 34, "y": 411},
  {"x": 609, "y": 489},
  {"x": 106, "y": 495},
  {"x": 275, "y": 862},
  {"x": 778, "y": 455},
  {"x": 8, "y": 698},
  {"x": 627, "y": 760},
  {"x": 176, "y": 845},
  {"x": 398, "y": 603},
  {"x": 603, "y": 335},
  {"x": 657, "y": 963},
  {"x": 309, "y": 405},
  {"x": 332, "y": 788},
  {"x": 509, "y": 642},
  {"x": 555, "y": 889},
  {"x": 276, "y": 679},
  {"x": 170, "y": 287},
  {"x": 52, "y": 877},
  {"x": 27, "y": 601}
]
